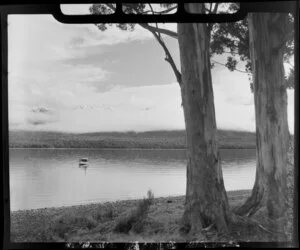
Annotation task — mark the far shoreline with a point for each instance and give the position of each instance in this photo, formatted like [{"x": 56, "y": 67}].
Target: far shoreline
[
  {"x": 124, "y": 140},
  {"x": 122, "y": 148}
]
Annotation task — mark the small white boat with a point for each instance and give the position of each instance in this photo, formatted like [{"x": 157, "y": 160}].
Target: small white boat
[{"x": 83, "y": 162}]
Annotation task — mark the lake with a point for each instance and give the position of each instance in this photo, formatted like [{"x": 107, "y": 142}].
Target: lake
[{"x": 51, "y": 177}]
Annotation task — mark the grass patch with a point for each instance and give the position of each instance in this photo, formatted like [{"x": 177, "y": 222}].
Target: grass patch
[
  {"x": 63, "y": 225},
  {"x": 136, "y": 219},
  {"x": 150, "y": 220}
]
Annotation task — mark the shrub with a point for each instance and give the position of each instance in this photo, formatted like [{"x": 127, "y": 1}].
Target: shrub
[
  {"x": 97, "y": 216},
  {"x": 135, "y": 220},
  {"x": 65, "y": 224},
  {"x": 59, "y": 228},
  {"x": 124, "y": 225},
  {"x": 45, "y": 235},
  {"x": 110, "y": 213}
]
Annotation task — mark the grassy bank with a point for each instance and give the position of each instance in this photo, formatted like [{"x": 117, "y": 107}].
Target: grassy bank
[
  {"x": 150, "y": 139},
  {"x": 124, "y": 221},
  {"x": 96, "y": 222}
]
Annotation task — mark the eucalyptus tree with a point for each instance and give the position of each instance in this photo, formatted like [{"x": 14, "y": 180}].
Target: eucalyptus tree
[
  {"x": 206, "y": 199},
  {"x": 264, "y": 41},
  {"x": 267, "y": 44}
]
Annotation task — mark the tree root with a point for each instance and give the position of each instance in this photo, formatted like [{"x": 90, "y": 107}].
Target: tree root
[
  {"x": 208, "y": 228},
  {"x": 255, "y": 223},
  {"x": 252, "y": 204}
]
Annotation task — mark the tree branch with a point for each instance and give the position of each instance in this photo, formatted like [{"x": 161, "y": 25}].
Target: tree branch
[
  {"x": 164, "y": 31},
  {"x": 215, "y": 8},
  {"x": 160, "y": 12},
  {"x": 168, "y": 58},
  {"x": 210, "y": 7},
  {"x": 151, "y": 28},
  {"x": 210, "y": 25},
  {"x": 153, "y": 13},
  {"x": 110, "y": 5},
  {"x": 242, "y": 71}
]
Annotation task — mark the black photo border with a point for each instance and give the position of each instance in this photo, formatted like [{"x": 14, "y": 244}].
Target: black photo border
[{"x": 119, "y": 17}]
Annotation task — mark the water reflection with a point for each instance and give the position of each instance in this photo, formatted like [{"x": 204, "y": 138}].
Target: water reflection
[
  {"x": 84, "y": 168},
  {"x": 52, "y": 177}
]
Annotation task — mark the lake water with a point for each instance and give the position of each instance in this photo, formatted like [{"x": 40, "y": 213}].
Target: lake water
[{"x": 51, "y": 177}]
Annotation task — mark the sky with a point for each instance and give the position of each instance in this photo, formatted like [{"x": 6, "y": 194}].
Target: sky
[{"x": 75, "y": 78}]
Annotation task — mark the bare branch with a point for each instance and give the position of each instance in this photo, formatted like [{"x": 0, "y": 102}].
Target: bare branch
[
  {"x": 153, "y": 29},
  {"x": 234, "y": 53},
  {"x": 215, "y": 8},
  {"x": 110, "y": 5},
  {"x": 160, "y": 12},
  {"x": 168, "y": 58},
  {"x": 155, "y": 23},
  {"x": 210, "y": 25},
  {"x": 164, "y": 31},
  {"x": 210, "y": 7},
  {"x": 208, "y": 10}
]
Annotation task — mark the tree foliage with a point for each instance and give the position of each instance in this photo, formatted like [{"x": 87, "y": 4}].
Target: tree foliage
[
  {"x": 233, "y": 39},
  {"x": 226, "y": 38},
  {"x": 136, "y": 8}
]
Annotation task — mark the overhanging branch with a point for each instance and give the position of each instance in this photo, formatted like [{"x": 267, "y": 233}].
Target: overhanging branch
[
  {"x": 169, "y": 57},
  {"x": 164, "y": 31},
  {"x": 214, "y": 11},
  {"x": 156, "y": 31},
  {"x": 151, "y": 28}
]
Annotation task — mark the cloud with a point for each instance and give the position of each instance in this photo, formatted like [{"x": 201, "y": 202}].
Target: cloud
[
  {"x": 134, "y": 108},
  {"x": 22, "y": 117},
  {"x": 42, "y": 110},
  {"x": 75, "y": 78},
  {"x": 37, "y": 122}
]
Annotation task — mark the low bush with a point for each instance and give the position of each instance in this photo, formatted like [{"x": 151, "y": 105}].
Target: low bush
[
  {"x": 135, "y": 220},
  {"x": 110, "y": 213},
  {"x": 66, "y": 224}
]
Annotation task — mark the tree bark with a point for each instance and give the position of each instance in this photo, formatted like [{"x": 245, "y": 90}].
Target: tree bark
[
  {"x": 206, "y": 199},
  {"x": 267, "y": 32}
]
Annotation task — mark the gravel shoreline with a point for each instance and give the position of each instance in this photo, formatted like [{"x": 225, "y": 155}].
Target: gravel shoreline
[{"x": 236, "y": 194}]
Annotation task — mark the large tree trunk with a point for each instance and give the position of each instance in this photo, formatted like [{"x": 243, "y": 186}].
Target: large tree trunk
[
  {"x": 267, "y": 32},
  {"x": 206, "y": 199}
]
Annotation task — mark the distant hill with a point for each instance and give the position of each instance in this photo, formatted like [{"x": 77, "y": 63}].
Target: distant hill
[{"x": 151, "y": 139}]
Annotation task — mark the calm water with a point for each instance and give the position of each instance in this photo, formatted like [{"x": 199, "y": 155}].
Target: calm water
[{"x": 51, "y": 177}]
